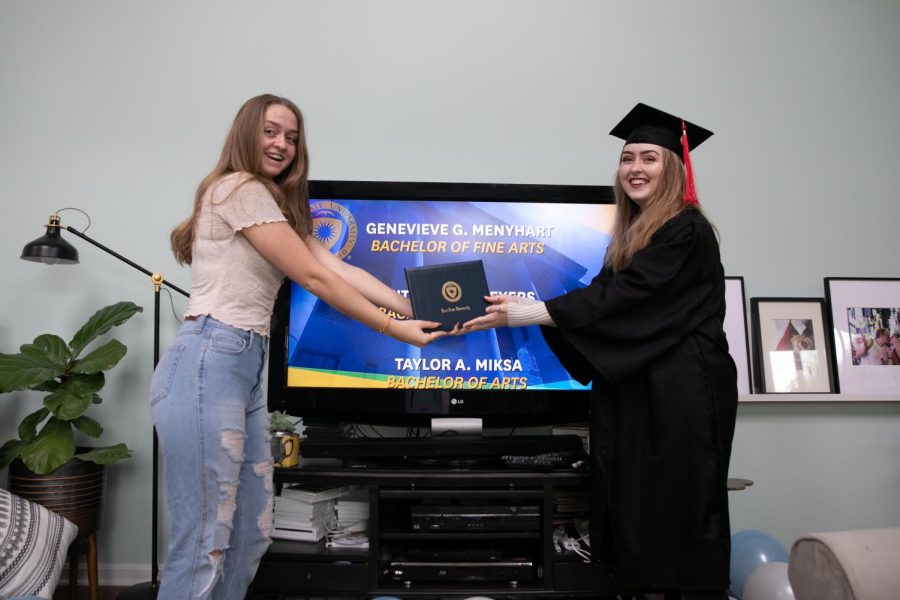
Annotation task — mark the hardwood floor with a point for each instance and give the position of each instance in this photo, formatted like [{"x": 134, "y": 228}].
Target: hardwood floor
[{"x": 106, "y": 593}]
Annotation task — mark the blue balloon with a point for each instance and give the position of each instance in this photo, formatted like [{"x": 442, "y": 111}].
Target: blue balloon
[{"x": 749, "y": 550}]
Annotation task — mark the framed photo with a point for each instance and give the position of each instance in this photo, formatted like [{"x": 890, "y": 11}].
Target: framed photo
[
  {"x": 864, "y": 316},
  {"x": 736, "y": 331},
  {"x": 791, "y": 345}
]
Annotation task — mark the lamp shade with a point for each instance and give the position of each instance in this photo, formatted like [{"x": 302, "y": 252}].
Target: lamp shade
[{"x": 50, "y": 248}]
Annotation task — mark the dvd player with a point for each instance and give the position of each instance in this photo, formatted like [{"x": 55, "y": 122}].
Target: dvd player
[
  {"x": 475, "y": 518},
  {"x": 430, "y": 572},
  {"x": 479, "y": 553}
]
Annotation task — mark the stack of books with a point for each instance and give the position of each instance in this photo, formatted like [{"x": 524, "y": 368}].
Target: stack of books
[
  {"x": 303, "y": 512},
  {"x": 568, "y": 504},
  {"x": 353, "y": 511},
  {"x": 352, "y": 520}
]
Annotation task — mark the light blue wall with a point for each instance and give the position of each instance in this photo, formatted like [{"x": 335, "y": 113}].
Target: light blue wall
[{"x": 119, "y": 108}]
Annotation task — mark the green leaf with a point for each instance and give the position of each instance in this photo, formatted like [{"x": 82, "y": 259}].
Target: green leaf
[
  {"x": 53, "y": 447},
  {"x": 48, "y": 386},
  {"x": 88, "y": 426},
  {"x": 100, "y": 359},
  {"x": 83, "y": 384},
  {"x": 107, "y": 454},
  {"x": 28, "y": 426},
  {"x": 9, "y": 451},
  {"x": 100, "y": 322},
  {"x": 51, "y": 346},
  {"x": 30, "y": 368},
  {"x": 66, "y": 405}
]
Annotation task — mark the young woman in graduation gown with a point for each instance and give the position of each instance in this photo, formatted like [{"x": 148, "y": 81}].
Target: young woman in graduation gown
[{"x": 647, "y": 332}]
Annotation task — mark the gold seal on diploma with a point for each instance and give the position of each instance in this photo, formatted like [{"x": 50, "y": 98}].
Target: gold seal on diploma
[{"x": 451, "y": 291}]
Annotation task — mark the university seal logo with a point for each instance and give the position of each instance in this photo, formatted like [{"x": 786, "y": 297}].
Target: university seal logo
[
  {"x": 334, "y": 226},
  {"x": 451, "y": 291}
]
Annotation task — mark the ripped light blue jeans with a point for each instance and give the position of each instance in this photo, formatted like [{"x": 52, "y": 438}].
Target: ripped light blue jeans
[{"x": 211, "y": 420}]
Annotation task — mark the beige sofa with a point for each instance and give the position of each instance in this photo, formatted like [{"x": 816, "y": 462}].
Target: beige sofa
[{"x": 862, "y": 564}]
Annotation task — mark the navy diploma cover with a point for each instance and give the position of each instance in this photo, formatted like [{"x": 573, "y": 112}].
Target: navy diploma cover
[{"x": 450, "y": 293}]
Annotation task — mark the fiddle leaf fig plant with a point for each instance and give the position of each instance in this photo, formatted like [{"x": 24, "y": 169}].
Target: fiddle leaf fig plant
[{"x": 72, "y": 383}]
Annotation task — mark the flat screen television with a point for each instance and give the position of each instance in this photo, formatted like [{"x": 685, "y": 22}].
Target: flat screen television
[{"x": 539, "y": 241}]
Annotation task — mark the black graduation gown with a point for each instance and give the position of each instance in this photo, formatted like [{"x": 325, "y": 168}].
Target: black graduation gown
[{"x": 663, "y": 407}]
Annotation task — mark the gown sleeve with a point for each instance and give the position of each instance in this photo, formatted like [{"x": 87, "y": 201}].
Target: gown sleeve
[{"x": 622, "y": 321}]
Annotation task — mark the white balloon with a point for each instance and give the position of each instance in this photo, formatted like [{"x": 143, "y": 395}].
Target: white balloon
[{"x": 769, "y": 582}]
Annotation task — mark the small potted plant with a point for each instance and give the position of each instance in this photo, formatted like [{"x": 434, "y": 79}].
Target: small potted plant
[
  {"x": 72, "y": 383},
  {"x": 285, "y": 443}
]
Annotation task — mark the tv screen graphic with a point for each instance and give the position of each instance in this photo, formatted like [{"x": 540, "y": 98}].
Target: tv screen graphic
[{"x": 534, "y": 241}]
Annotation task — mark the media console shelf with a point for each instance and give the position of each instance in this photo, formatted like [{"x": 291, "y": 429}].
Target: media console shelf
[
  {"x": 439, "y": 447},
  {"x": 439, "y": 533}
]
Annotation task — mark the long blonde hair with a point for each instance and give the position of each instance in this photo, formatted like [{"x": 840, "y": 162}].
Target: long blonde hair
[
  {"x": 634, "y": 227},
  {"x": 242, "y": 152}
]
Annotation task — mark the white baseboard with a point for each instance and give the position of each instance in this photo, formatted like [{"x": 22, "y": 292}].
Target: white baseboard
[{"x": 110, "y": 575}]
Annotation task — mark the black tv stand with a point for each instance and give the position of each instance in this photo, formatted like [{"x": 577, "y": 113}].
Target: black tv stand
[
  {"x": 456, "y": 561},
  {"x": 455, "y": 447}
]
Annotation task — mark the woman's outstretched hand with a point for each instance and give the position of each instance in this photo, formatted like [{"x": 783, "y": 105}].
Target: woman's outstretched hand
[
  {"x": 495, "y": 314},
  {"x": 413, "y": 332}
]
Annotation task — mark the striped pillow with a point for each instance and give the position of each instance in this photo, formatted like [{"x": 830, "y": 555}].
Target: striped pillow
[{"x": 33, "y": 546}]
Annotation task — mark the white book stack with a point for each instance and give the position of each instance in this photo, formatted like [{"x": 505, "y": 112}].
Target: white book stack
[
  {"x": 302, "y": 513},
  {"x": 352, "y": 511}
]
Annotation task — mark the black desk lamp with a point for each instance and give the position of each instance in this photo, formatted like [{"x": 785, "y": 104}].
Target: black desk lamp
[{"x": 52, "y": 249}]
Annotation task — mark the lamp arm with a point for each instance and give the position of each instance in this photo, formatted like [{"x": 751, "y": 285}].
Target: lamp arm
[{"x": 123, "y": 259}]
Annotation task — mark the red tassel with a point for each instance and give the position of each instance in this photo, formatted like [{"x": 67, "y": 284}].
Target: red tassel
[{"x": 690, "y": 189}]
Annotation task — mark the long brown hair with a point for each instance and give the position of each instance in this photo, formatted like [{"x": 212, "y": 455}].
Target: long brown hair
[
  {"x": 634, "y": 227},
  {"x": 242, "y": 152}
]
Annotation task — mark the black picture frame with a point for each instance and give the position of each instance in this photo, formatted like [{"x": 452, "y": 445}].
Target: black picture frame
[
  {"x": 736, "y": 332},
  {"x": 791, "y": 346}
]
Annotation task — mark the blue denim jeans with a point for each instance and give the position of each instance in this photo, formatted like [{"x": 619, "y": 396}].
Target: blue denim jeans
[{"x": 211, "y": 419}]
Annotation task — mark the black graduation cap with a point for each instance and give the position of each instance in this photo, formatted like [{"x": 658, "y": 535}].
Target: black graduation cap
[{"x": 648, "y": 125}]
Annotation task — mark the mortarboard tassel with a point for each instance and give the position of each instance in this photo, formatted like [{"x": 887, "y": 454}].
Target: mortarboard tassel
[{"x": 690, "y": 189}]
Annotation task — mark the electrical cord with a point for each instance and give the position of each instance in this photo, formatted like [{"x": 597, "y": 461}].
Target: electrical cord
[
  {"x": 162, "y": 289},
  {"x": 337, "y": 534},
  {"x": 87, "y": 216}
]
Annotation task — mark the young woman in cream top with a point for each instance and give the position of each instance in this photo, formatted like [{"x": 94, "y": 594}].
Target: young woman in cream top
[{"x": 250, "y": 227}]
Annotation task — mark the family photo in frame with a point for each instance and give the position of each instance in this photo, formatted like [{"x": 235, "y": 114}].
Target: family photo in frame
[
  {"x": 864, "y": 317},
  {"x": 791, "y": 346}
]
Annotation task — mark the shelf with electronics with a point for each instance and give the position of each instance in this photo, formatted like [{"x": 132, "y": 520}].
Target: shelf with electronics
[{"x": 448, "y": 533}]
